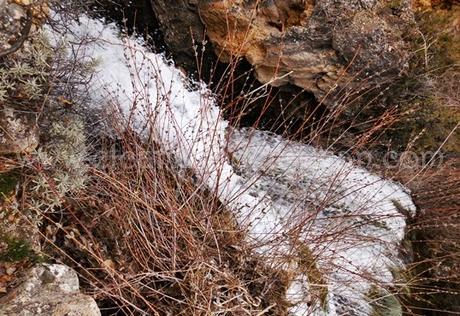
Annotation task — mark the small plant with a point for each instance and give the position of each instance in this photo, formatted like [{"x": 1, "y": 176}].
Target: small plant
[
  {"x": 61, "y": 163},
  {"x": 24, "y": 75},
  {"x": 384, "y": 302},
  {"x": 16, "y": 250}
]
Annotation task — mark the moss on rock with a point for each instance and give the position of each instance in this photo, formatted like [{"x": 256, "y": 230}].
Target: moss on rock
[
  {"x": 428, "y": 125},
  {"x": 8, "y": 182},
  {"x": 440, "y": 31},
  {"x": 15, "y": 250},
  {"x": 429, "y": 96}
]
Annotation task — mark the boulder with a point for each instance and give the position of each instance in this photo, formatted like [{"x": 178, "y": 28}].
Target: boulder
[
  {"x": 310, "y": 44},
  {"x": 48, "y": 290}
]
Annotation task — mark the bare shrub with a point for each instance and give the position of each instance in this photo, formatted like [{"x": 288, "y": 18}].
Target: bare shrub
[{"x": 147, "y": 238}]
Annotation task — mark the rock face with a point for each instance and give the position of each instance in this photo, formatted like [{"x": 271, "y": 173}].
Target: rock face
[
  {"x": 49, "y": 290},
  {"x": 18, "y": 131},
  {"x": 310, "y": 44},
  {"x": 180, "y": 24}
]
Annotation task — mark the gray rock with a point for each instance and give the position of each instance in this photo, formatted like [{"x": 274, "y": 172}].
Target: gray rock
[
  {"x": 48, "y": 290},
  {"x": 18, "y": 131}
]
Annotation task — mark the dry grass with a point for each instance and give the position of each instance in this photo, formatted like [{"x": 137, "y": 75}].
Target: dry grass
[
  {"x": 434, "y": 235},
  {"x": 147, "y": 239}
]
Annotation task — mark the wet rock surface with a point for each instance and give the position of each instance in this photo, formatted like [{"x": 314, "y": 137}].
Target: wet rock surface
[{"x": 48, "y": 290}]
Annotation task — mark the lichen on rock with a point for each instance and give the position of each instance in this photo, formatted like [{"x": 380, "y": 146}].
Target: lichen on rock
[{"x": 48, "y": 290}]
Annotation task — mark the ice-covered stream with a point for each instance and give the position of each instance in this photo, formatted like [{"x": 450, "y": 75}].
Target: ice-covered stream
[{"x": 288, "y": 195}]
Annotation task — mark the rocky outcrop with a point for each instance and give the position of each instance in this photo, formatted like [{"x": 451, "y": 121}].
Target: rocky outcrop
[
  {"x": 310, "y": 44},
  {"x": 48, "y": 290},
  {"x": 18, "y": 131},
  {"x": 181, "y": 26}
]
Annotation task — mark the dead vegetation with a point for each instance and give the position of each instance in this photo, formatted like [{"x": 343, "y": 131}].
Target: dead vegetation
[
  {"x": 434, "y": 236},
  {"x": 146, "y": 239}
]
